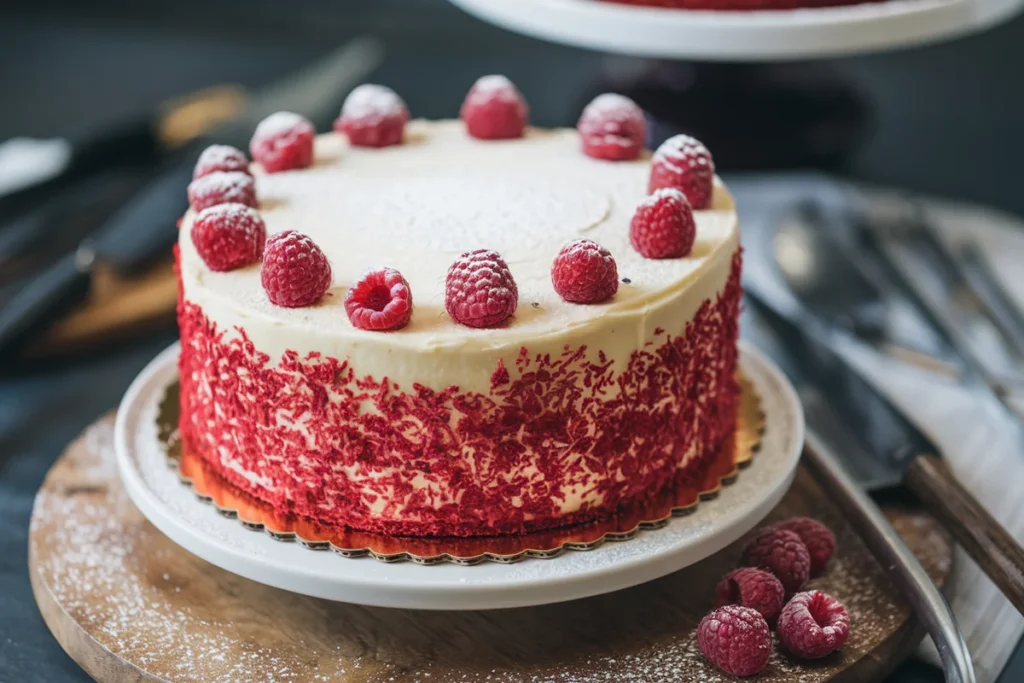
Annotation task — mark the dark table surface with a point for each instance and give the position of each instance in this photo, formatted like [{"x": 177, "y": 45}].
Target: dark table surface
[{"x": 947, "y": 122}]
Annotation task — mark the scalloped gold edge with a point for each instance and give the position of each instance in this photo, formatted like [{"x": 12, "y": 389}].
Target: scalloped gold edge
[{"x": 750, "y": 409}]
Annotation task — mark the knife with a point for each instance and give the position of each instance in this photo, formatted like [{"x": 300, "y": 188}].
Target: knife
[
  {"x": 32, "y": 169},
  {"x": 144, "y": 228},
  {"x": 885, "y": 448}
]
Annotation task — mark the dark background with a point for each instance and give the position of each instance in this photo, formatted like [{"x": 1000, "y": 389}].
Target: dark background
[{"x": 946, "y": 121}]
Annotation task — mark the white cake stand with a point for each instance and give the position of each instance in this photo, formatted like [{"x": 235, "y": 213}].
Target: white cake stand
[
  {"x": 742, "y": 36},
  {"x": 197, "y": 527}
]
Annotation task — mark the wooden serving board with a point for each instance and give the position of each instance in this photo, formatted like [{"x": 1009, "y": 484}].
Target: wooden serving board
[{"x": 129, "y": 605}]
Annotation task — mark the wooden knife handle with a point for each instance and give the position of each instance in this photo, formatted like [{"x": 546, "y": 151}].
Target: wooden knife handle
[{"x": 984, "y": 539}]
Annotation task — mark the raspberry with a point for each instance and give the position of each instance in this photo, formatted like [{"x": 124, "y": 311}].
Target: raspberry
[
  {"x": 684, "y": 163},
  {"x": 222, "y": 187},
  {"x": 495, "y": 110},
  {"x": 783, "y": 554},
  {"x": 479, "y": 290},
  {"x": 613, "y": 128},
  {"x": 372, "y": 116},
  {"x": 752, "y": 588},
  {"x": 380, "y": 300},
  {"x": 584, "y": 272},
  {"x": 735, "y": 639},
  {"x": 282, "y": 142},
  {"x": 220, "y": 158},
  {"x": 229, "y": 236},
  {"x": 819, "y": 539},
  {"x": 813, "y": 624},
  {"x": 663, "y": 225},
  {"x": 295, "y": 272}
]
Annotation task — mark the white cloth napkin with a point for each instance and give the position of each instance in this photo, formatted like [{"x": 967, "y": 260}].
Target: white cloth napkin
[{"x": 985, "y": 449}]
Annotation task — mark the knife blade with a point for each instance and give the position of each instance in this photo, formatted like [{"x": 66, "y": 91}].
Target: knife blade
[
  {"x": 882, "y": 447},
  {"x": 32, "y": 170},
  {"x": 144, "y": 228}
]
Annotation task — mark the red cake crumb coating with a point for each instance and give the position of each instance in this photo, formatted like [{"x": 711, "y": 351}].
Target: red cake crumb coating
[
  {"x": 741, "y": 5},
  {"x": 466, "y": 446}
]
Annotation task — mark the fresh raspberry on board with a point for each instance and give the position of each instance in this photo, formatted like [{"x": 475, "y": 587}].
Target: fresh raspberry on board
[
  {"x": 380, "y": 300},
  {"x": 479, "y": 290},
  {"x": 584, "y": 272},
  {"x": 495, "y": 110},
  {"x": 783, "y": 554},
  {"x": 819, "y": 539},
  {"x": 372, "y": 116},
  {"x": 735, "y": 639},
  {"x": 754, "y": 588},
  {"x": 283, "y": 142},
  {"x": 612, "y": 127},
  {"x": 229, "y": 236},
  {"x": 813, "y": 625},
  {"x": 663, "y": 225},
  {"x": 684, "y": 163},
  {"x": 295, "y": 271},
  {"x": 222, "y": 187},
  {"x": 220, "y": 158}
]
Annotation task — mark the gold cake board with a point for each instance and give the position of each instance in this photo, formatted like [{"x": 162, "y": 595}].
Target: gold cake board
[{"x": 654, "y": 514}]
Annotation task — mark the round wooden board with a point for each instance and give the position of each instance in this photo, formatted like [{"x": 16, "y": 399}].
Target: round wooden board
[{"x": 129, "y": 605}]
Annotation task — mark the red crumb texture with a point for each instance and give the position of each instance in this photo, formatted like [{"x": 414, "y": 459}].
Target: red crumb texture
[{"x": 351, "y": 466}]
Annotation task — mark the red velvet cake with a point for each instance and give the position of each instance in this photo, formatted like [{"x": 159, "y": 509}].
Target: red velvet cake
[{"x": 449, "y": 332}]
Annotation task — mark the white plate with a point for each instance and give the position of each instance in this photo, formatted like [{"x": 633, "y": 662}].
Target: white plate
[
  {"x": 742, "y": 35},
  {"x": 197, "y": 527}
]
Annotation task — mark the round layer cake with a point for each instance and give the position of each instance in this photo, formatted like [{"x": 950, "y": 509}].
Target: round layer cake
[{"x": 561, "y": 414}]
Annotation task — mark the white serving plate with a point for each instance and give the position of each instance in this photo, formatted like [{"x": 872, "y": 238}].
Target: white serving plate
[{"x": 196, "y": 526}]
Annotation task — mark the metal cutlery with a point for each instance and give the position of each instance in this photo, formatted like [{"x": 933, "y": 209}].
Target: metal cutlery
[
  {"x": 144, "y": 228},
  {"x": 831, "y": 282},
  {"x": 31, "y": 170},
  {"x": 882, "y": 447},
  {"x": 1004, "y": 311}
]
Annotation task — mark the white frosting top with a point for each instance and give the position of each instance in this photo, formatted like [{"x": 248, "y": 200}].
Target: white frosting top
[{"x": 417, "y": 206}]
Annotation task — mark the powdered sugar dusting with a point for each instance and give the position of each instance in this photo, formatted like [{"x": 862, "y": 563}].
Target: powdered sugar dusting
[
  {"x": 494, "y": 87},
  {"x": 614, "y": 105},
  {"x": 661, "y": 193},
  {"x": 370, "y": 101},
  {"x": 220, "y": 158},
  {"x": 222, "y": 187},
  {"x": 683, "y": 153},
  {"x": 281, "y": 123}
]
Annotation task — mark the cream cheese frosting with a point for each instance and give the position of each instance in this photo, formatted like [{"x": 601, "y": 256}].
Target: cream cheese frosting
[{"x": 417, "y": 206}]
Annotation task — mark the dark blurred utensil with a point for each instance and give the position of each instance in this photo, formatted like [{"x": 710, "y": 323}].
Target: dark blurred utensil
[
  {"x": 833, "y": 281},
  {"x": 145, "y": 227},
  {"x": 32, "y": 170},
  {"x": 977, "y": 287},
  {"x": 826, "y": 460},
  {"x": 878, "y": 242},
  {"x": 832, "y": 284},
  {"x": 881, "y": 447},
  {"x": 1003, "y": 309},
  {"x": 37, "y": 236}
]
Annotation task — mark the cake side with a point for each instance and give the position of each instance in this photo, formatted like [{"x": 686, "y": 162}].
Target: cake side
[{"x": 556, "y": 439}]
